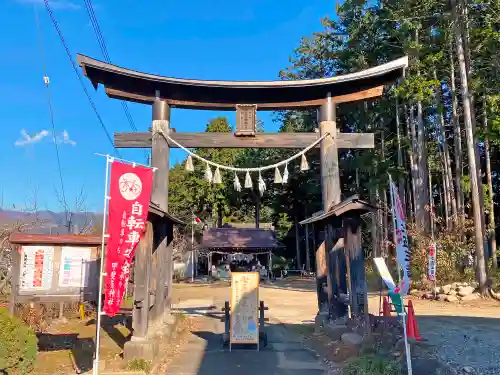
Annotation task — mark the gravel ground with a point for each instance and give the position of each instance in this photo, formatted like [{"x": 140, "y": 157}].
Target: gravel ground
[
  {"x": 462, "y": 335},
  {"x": 465, "y": 341}
]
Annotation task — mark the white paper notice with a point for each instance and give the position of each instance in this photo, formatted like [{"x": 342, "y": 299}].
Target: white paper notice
[
  {"x": 74, "y": 264},
  {"x": 36, "y": 267}
]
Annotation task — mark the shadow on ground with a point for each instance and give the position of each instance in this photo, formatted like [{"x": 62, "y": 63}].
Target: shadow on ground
[
  {"x": 109, "y": 324},
  {"x": 81, "y": 349},
  {"x": 293, "y": 284}
]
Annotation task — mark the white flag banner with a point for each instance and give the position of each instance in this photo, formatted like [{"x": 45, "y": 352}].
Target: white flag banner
[
  {"x": 403, "y": 252},
  {"x": 384, "y": 273}
]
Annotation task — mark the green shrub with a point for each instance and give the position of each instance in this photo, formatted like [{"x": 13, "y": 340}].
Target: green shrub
[
  {"x": 18, "y": 345},
  {"x": 138, "y": 365},
  {"x": 372, "y": 364}
]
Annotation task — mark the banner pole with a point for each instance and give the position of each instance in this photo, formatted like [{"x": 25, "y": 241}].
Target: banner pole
[
  {"x": 405, "y": 334},
  {"x": 95, "y": 367},
  {"x": 193, "y": 220}
]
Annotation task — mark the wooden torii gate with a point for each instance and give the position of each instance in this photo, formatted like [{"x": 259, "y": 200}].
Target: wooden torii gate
[{"x": 323, "y": 94}]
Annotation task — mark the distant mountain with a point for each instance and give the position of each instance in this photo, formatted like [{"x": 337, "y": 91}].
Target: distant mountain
[{"x": 50, "y": 222}]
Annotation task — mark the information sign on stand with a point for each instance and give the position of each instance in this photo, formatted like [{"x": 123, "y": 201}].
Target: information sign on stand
[{"x": 244, "y": 328}]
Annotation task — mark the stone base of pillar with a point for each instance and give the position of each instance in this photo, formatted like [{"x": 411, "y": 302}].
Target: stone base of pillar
[{"x": 147, "y": 349}]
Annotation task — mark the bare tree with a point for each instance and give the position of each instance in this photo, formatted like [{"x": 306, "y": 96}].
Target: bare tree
[
  {"x": 27, "y": 223},
  {"x": 78, "y": 209}
]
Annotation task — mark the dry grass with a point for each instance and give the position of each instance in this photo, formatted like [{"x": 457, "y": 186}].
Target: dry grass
[{"x": 69, "y": 345}]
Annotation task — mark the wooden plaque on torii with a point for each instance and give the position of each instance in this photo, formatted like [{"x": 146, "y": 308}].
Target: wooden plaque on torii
[{"x": 246, "y": 120}]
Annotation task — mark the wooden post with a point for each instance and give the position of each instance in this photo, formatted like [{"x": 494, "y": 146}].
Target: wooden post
[
  {"x": 143, "y": 257},
  {"x": 16, "y": 273},
  {"x": 160, "y": 155},
  {"x": 169, "y": 269},
  {"x": 297, "y": 243},
  {"x": 308, "y": 256},
  {"x": 356, "y": 260},
  {"x": 330, "y": 175},
  {"x": 330, "y": 178}
]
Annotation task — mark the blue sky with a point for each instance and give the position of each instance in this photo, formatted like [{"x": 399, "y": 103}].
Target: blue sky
[{"x": 216, "y": 39}]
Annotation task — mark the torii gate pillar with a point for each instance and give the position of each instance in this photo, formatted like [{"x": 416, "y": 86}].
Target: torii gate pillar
[
  {"x": 160, "y": 158},
  {"x": 330, "y": 191}
]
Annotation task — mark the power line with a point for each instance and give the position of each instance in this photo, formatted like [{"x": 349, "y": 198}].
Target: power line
[
  {"x": 75, "y": 69},
  {"x": 102, "y": 45},
  {"x": 47, "y": 85}
]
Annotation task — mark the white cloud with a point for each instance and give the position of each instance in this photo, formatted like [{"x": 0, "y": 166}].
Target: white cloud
[
  {"x": 66, "y": 139},
  {"x": 28, "y": 139},
  {"x": 55, "y": 4}
]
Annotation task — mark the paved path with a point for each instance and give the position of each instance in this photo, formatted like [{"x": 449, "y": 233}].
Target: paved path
[{"x": 204, "y": 355}]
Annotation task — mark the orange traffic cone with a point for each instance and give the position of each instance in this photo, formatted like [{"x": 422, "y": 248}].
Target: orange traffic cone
[
  {"x": 386, "y": 310},
  {"x": 412, "y": 330}
]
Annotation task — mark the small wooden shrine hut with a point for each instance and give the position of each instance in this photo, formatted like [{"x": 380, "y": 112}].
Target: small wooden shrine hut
[
  {"x": 234, "y": 243},
  {"x": 342, "y": 259}
]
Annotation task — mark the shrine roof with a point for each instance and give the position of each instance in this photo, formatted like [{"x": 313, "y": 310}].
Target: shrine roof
[
  {"x": 249, "y": 239},
  {"x": 351, "y": 204},
  {"x": 131, "y": 85},
  {"x": 156, "y": 210},
  {"x": 19, "y": 238}
]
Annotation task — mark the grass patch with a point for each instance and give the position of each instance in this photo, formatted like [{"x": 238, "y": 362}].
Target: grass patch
[
  {"x": 128, "y": 303},
  {"x": 372, "y": 364},
  {"x": 302, "y": 329},
  {"x": 138, "y": 365}
]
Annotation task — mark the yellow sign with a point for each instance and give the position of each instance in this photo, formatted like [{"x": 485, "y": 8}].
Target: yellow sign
[{"x": 244, "y": 302}]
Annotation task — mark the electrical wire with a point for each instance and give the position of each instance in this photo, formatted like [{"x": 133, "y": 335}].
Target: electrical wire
[
  {"x": 79, "y": 76},
  {"x": 51, "y": 112},
  {"x": 102, "y": 45}
]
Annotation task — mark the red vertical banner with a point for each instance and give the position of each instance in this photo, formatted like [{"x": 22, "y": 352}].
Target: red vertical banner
[{"x": 130, "y": 193}]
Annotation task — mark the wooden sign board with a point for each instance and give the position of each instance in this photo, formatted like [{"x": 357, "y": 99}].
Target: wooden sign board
[
  {"x": 51, "y": 273},
  {"x": 244, "y": 328},
  {"x": 246, "y": 120}
]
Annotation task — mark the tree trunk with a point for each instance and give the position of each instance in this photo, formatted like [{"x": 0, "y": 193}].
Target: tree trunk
[
  {"x": 423, "y": 170},
  {"x": 457, "y": 137},
  {"x": 451, "y": 202},
  {"x": 463, "y": 13},
  {"x": 446, "y": 207},
  {"x": 491, "y": 208},
  {"x": 219, "y": 216},
  {"x": 431, "y": 204},
  {"x": 474, "y": 181},
  {"x": 402, "y": 187},
  {"x": 416, "y": 181},
  {"x": 422, "y": 182},
  {"x": 384, "y": 220},
  {"x": 411, "y": 160}
]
